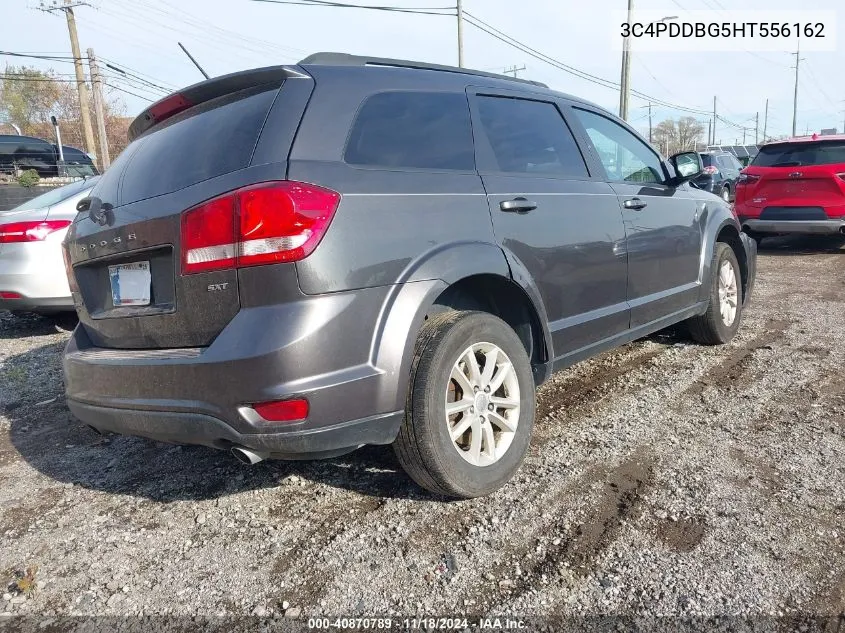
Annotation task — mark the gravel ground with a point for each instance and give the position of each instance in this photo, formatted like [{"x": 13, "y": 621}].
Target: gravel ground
[{"x": 664, "y": 478}]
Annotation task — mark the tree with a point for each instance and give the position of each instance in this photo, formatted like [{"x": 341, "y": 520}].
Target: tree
[
  {"x": 682, "y": 136},
  {"x": 689, "y": 133},
  {"x": 29, "y": 97}
]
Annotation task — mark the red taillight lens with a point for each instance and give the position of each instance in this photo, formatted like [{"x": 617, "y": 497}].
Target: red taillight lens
[
  {"x": 30, "y": 231},
  {"x": 283, "y": 410},
  {"x": 710, "y": 170},
  {"x": 261, "y": 224},
  {"x": 208, "y": 236},
  {"x": 5, "y": 294},
  {"x": 747, "y": 179},
  {"x": 841, "y": 176}
]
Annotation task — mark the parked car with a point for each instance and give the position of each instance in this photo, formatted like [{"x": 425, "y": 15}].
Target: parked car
[
  {"x": 794, "y": 186},
  {"x": 719, "y": 174},
  {"x": 378, "y": 251},
  {"x": 27, "y": 152},
  {"x": 78, "y": 164},
  {"x": 32, "y": 269}
]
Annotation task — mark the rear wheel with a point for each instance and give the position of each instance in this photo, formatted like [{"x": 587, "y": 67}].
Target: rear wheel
[
  {"x": 721, "y": 321},
  {"x": 470, "y": 408},
  {"x": 726, "y": 194}
]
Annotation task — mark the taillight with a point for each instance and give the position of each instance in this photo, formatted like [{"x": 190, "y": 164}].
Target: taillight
[
  {"x": 841, "y": 176},
  {"x": 711, "y": 170},
  {"x": 8, "y": 294},
  {"x": 747, "y": 179},
  {"x": 30, "y": 231},
  {"x": 283, "y": 410},
  {"x": 261, "y": 224}
]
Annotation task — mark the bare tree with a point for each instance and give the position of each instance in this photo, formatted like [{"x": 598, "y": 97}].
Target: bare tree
[{"x": 671, "y": 137}]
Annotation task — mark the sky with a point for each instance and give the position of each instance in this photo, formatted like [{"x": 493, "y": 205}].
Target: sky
[{"x": 140, "y": 36}]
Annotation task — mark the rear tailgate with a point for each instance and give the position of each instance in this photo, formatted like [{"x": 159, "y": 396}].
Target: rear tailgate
[
  {"x": 796, "y": 174},
  {"x": 125, "y": 251}
]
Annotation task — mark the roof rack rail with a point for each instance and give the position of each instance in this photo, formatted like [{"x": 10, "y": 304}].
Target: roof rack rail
[{"x": 343, "y": 59}]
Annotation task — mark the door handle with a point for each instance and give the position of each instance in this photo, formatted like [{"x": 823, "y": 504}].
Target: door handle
[
  {"x": 634, "y": 203},
  {"x": 517, "y": 205}
]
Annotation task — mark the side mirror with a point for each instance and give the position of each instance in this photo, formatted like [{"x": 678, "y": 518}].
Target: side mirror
[{"x": 687, "y": 165}]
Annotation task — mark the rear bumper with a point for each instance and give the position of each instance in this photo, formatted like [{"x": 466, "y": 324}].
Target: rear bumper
[
  {"x": 36, "y": 271},
  {"x": 318, "y": 348},
  {"x": 819, "y": 227},
  {"x": 205, "y": 430}
]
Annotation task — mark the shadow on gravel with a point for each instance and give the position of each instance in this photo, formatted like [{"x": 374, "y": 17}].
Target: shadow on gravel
[
  {"x": 25, "y": 324},
  {"x": 791, "y": 245},
  {"x": 47, "y": 436}
]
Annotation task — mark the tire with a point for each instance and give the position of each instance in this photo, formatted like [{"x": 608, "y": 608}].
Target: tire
[
  {"x": 711, "y": 328},
  {"x": 726, "y": 194},
  {"x": 425, "y": 447}
]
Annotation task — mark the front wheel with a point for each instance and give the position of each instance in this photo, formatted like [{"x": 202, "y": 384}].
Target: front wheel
[
  {"x": 724, "y": 310},
  {"x": 470, "y": 408},
  {"x": 726, "y": 194}
]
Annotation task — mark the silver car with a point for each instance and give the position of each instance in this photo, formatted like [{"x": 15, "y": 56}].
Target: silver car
[{"x": 32, "y": 270}]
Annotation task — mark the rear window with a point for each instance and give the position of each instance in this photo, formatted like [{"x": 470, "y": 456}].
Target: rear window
[
  {"x": 799, "y": 154},
  {"x": 530, "y": 137},
  {"x": 209, "y": 140},
  {"x": 424, "y": 130}
]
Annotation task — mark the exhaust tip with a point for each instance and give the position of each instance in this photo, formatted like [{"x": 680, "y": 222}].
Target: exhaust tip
[
  {"x": 247, "y": 456},
  {"x": 842, "y": 229}
]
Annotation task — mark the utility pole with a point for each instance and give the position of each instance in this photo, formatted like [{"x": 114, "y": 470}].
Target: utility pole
[
  {"x": 714, "y": 119},
  {"x": 624, "y": 84},
  {"x": 82, "y": 87},
  {"x": 797, "y": 54},
  {"x": 649, "y": 123},
  {"x": 709, "y": 131},
  {"x": 766, "y": 121},
  {"x": 99, "y": 110},
  {"x": 460, "y": 34},
  {"x": 757, "y": 128},
  {"x": 514, "y": 70}
]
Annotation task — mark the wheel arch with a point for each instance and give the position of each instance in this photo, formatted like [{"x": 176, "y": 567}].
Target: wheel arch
[{"x": 472, "y": 275}]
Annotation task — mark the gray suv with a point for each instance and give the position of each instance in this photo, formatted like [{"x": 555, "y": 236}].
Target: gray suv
[{"x": 297, "y": 261}]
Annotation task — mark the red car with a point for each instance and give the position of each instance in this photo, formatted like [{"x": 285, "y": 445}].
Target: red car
[{"x": 794, "y": 186}]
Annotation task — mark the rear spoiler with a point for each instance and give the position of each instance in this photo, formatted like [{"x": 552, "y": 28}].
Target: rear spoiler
[{"x": 206, "y": 91}]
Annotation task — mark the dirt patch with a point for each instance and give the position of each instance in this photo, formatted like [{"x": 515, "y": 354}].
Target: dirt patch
[
  {"x": 729, "y": 371},
  {"x": 758, "y": 473},
  {"x": 682, "y": 535},
  {"x": 584, "y": 392},
  {"x": 18, "y": 520}
]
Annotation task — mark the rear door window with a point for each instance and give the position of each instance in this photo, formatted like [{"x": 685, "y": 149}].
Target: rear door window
[
  {"x": 801, "y": 154},
  {"x": 530, "y": 137},
  {"x": 422, "y": 130},
  {"x": 208, "y": 140}
]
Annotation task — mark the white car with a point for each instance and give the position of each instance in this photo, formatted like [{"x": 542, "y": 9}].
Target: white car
[{"x": 32, "y": 269}]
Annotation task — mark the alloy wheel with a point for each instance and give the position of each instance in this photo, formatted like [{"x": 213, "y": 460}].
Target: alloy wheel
[{"x": 482, "y": 404}]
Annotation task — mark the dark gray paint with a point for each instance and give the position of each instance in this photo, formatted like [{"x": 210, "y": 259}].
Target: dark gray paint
[{"x": 339, "y": 327}]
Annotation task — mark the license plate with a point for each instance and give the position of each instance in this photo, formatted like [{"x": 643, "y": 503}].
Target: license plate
[{"x": 130, "y": 284}]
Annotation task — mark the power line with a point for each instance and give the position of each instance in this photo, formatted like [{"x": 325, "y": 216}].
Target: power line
[
  {"x": 606, "y": 83},
  {"x": 129, "y": 92},
  {"x": 345, "y": 5}
]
